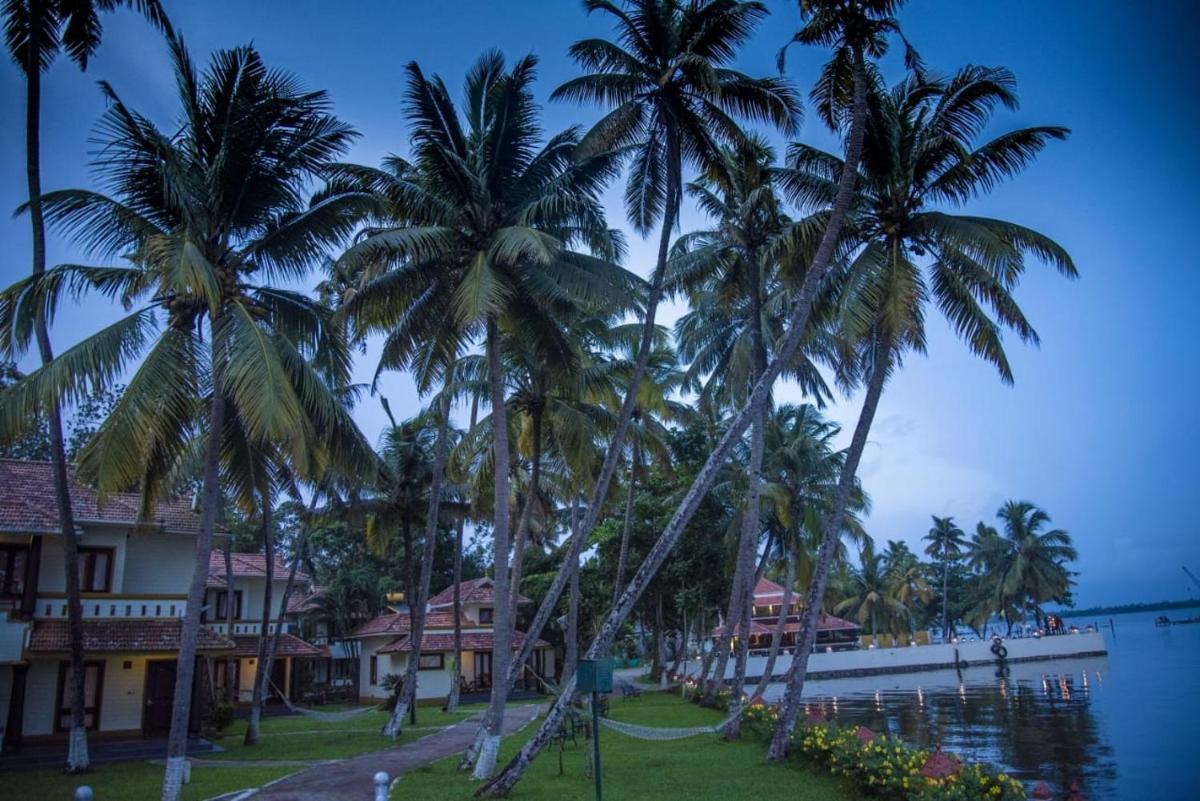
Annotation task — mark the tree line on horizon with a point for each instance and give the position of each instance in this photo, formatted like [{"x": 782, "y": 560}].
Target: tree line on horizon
[{"x": 485, "y": 259}]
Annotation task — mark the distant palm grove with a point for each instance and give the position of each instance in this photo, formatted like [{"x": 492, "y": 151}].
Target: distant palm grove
[{"x": 633, "y": 479}]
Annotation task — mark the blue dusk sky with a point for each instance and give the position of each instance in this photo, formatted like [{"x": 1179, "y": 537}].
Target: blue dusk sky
[{"x": 1099, "y": 429}]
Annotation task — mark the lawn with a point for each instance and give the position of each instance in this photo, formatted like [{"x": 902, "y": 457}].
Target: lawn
[
  {"x": 702, "y": 768},
  {"x": 131, "y": 781},
  {"x": 300, "y": 737},
  {"x": 292, "y": 737}
]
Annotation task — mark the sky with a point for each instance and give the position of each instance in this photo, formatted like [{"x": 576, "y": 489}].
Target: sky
[{"x": 1099, "y": 429}]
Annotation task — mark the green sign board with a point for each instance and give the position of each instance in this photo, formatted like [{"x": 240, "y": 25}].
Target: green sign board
[{"x": 594, "y": 676}]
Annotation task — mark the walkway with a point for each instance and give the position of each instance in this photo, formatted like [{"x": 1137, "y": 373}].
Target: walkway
[{"x": 351, "y": 779}]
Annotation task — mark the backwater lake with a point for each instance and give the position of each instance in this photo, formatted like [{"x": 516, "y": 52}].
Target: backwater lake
[{"x": 1126, "y": 727}]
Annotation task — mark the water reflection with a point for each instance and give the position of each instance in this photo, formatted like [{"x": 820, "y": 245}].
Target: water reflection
[{"x": 1037, "y": 723}]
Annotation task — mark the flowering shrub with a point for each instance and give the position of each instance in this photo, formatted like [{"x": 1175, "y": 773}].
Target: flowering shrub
[{"x": 884, "y": 766}]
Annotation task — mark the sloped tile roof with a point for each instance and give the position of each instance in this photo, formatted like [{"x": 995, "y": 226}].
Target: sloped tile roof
[
  {"x": 475, "y": 591},
  {"x": 27, "y": 503},
  {"x": 52, "y": 636},
  {"x": 248, "y": 565},
  {"x": 766, "y": 626},
  {"x": 398, "y": 623},
  {"x": 289, "y": 645},
  {"x": 441, "y": 641},
  {"x": 301, "y": 602}
]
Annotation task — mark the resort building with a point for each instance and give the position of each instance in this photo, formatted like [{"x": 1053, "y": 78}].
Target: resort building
[
  {"x": 385, "y": 646},
  {"x": 833, "y": 633},
  {"x": 134, "y": 578},
  {"x": 296, "y": 662}
]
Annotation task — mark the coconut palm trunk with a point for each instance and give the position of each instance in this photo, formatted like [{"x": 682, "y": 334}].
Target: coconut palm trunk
[
  {"x": 456, "y": 677},
  {"x": 185, "y": 669},
  {"x": 797, "y": 323},
  {"x": 77, "y": 748},
  {"x": 627, "y": 524},
  {"x": 262, "y": 674},
  {"x": 780, "y": 624},
  {"x": 750, "y": 522},
  {"x": 531, "y": 498},
  {"x": 231, "y": 663},
  {"x": 502, "y": 656},
  {"x": 408, "y": 689},
  {"x": 831, "y": 531},
  {"x": 615, "y": 448},
  {"x": 945, "y": 596}
]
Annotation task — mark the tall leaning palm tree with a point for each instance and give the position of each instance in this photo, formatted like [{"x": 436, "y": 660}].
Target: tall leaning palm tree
[
  {"x": 502, "y": 232},
  {"x": 857, "y": 29},
  {"x": 199, "y": 214},
  {"x": 36, "y": 32},
  {"x": 920, "y": 157},
  {"x": 946, "y": 542}
]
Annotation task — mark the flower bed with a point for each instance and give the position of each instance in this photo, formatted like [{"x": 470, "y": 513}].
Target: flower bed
[{"x": 883, "y": 766}]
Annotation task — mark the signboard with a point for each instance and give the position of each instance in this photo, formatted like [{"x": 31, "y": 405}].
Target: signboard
[{"x": 594, "y": 676}]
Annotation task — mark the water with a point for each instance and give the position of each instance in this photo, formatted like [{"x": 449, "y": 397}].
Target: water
[{"x": 1125, "y": 726}]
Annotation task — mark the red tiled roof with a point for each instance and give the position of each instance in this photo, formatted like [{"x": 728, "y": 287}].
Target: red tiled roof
[
  {"x": 769, "y": 592},
  {"x": 441, "y": 641},
  {"x": 475, "y": 591},
  {"x": 398, "y": 623},
  {"x": 756, "y": 629},
  {"x": 302, "y": 602},
  {"x": 27, "y": 503},
  {"x": 289, "y": 645},
  {"x": 248, "y": 565},
  {"x": 121, "y": 635}
]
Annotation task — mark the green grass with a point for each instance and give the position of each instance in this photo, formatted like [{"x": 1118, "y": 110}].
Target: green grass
[
  {"x": 132, "y": 781},
  {"x": 702, "y": 768},
  {"x": 299, "y": 737}
]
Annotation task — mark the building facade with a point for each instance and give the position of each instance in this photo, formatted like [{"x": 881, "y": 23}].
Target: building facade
[{"x": 134, "y": 577}]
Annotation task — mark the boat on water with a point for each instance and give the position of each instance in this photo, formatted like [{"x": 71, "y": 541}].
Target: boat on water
[
  {"x": 843, "y": 651},
  {"x": 1163, "y": 620}
]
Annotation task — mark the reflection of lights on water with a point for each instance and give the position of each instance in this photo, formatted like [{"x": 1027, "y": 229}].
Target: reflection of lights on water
[
  {"x": 878, "y": 702},
  {"x": 1085, "y": 683},
  {"x": 1064, "y": 688},
  {"x": 920, "y": 698},
  {"x": 1099, "y": 679},
  {"x": 1045, "y": 685},
  {"x": 1004, "y": 689},
  {"x": 835, "y": 709},
  {"x": 962, "y": 692}
]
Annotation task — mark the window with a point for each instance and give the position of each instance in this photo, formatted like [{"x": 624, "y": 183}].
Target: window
[
  {"x": 93, "y": 685},
  {"x": 486, "y": 614},
  {"x": 13, "y": 561},
  {"x": 374, "y": 663},
  {"x": 431, "y": 662},
  {"x": 219, "y": 607},
  {"x": 95, "y": 569}
]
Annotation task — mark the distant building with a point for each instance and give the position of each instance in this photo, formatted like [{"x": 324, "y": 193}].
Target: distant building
[
  {"x": 832, "y": 632},
  {"x": 385, "y": 645}
]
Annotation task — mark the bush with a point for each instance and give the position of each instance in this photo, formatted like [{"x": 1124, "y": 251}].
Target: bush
[{"x": 222, "y": 715}]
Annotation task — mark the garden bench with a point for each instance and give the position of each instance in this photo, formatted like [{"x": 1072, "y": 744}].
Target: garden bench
[{"x": 630, "y": 691}]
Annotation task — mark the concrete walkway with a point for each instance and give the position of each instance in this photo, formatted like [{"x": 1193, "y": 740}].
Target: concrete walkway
[{"x": 352, "y": 779}]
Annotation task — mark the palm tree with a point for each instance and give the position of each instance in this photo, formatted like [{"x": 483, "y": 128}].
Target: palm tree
[
  {"x": 858, "y": 26},
  {"x": 1023, "y": 564},
  {"x": 869, "y": 594},
  {"x": 198, "y": 213},
  {"x": 906, "y": 583},
  {"x": 36, "y": 31},
  {"x": 920, "y": 152},
  {"x": 946, "y": 542},
  {"x": 491, "y": 216}
]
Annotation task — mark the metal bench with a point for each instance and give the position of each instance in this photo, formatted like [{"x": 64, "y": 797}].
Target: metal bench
[{"x": 630, "y": 691}]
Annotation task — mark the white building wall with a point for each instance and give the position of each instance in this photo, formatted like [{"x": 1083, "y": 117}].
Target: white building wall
[
  {"x": 158, "y": 563},
  {"x": 121, "y": 699},
  {"x": 52, "y": 577}
]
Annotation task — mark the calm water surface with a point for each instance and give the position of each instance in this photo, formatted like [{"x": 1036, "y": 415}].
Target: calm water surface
[{"x": 1125, "y": 726}]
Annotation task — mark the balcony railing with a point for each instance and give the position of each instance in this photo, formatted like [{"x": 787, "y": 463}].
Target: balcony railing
[
  {"x": 248, "y": 627},
  {"x": 109, "y": 606}
]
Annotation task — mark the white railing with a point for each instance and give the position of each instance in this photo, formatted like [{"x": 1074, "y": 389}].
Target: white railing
[
  {"x": 247, "y": 627},
  {"x": 114, "y": 607}
]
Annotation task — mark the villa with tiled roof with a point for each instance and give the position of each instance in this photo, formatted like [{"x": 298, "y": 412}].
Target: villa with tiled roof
[
  {"x": 385, "y": 645},
  {"x": 134, "y": 576},
  {"x": 833, "y": 633}
]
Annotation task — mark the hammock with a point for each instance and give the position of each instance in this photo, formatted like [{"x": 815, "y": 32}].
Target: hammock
[
  {"x": 654, "y": 733},
  {"x": 326, "y": 717}
]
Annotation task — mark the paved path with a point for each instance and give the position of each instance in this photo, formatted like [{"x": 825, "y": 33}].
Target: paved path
[{"x": 351, "y": 779}]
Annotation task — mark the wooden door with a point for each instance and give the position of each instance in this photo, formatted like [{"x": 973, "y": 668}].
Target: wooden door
[{"x": 160, "y": 695}]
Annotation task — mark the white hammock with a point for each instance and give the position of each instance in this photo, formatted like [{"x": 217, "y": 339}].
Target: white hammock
[
  {"x": 326, "y": 717},
  {"x": 655, "y": 733}
]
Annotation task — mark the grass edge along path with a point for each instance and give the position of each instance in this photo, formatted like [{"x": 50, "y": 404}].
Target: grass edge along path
[{"x": 701, "y": 768}]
